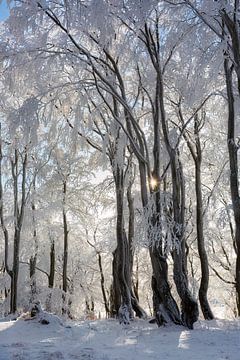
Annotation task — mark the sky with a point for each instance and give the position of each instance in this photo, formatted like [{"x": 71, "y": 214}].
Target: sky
[{"x": 4, "y": 12}]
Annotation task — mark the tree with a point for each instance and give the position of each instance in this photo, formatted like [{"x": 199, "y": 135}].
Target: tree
[
  {"x": 107, "y": 88},
  {"x": 225, "y": 25},
  {"x": 18, "y": 163},
  {"x": 194, "y": 145}
]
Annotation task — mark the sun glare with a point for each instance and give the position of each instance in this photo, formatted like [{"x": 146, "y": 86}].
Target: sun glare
[{"x": 153, "y": 183}]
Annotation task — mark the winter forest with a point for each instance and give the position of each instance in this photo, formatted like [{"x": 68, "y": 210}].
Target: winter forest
[{"x": 119, "y": 170}]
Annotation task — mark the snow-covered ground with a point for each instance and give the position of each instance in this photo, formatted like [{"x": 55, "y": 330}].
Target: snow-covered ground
[{"x": 107, "y": 340}]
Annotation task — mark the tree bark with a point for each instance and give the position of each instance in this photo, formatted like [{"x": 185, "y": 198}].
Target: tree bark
[
  {"x": 102, "y": 285},
  {"x": 65, "y": 246},
  {"x": 196, "y": 152},
  {"x": 51, "y": 275},
  {"x": 65, "y": 234},
  {"x": 130, "y": 249},
  {"x": 33, "y": 258},
  {"x": 205, "y": 307},
  {"x": 33, "y": 284},
  {"x": 164, "y": 306},
  {"x": 18, "y": 221},
  {"x": 115, "y": 294},
  {"x": 125, "y": 312},
  {"x": 189, "y": 306},
  {"x": 234, "y": 182},
  {"x": 52, "y": 265}
]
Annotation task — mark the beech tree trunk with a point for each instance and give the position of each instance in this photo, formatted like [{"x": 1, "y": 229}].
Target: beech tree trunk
[
  {"x": 19, "y": 209},
  {"x": 189, "y": 306},
  {"x": 206, "y": 310},
  {"x": 115, "y": 294},
  {"x": 230, "y": 34},
  {"x": 105, "y": 300},
  {"x": 130, "y": 250},
  {"x": 234, "y": 182},
  {"x": 15, "y": 272},
  {"x": 164, "y": 306},
  {"x": 196, "y": 152},
  {"x": 33, "y": 258},
  {"x": 33, "y": 284},
  {"x": 125, "y": 312},
  {"x": 65, "y": 235},
  {"x": 51, "y": 275}
]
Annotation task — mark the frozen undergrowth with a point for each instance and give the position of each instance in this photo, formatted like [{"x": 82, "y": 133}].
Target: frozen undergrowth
[{"x": 107, "y": 340}]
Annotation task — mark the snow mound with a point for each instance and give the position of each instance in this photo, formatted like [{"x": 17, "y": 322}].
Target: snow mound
[{"x": 37, "y": 314}]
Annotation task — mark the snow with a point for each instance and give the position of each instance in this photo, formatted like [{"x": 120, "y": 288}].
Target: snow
[{"x": 107, "y": 340}]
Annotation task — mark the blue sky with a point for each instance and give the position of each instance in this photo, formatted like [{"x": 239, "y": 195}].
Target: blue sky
[{"x": 3, "y": 10}]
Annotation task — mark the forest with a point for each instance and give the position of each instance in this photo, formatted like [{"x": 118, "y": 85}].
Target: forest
[{"x": 119, "y": 170}]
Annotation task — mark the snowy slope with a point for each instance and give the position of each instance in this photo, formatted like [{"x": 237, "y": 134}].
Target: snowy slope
[{"x": 107, "y": 340}]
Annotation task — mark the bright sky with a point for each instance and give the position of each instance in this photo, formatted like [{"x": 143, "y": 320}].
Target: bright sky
[{"x": 4, "y": 12}]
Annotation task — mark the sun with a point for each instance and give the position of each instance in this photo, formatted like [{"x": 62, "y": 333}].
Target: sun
[{"x": 153, "y": 183}]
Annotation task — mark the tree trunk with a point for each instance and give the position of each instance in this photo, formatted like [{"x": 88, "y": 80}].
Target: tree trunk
[
  {"x": 130, "y": 252},
  {"x": 189, "y": 306},
  {"x": 105, "y": 301},
  {"x": 65, "y": 245},
  {"x": 196, "y": 152},
  {"x": 115, "y": 294},
  {"x": 33, "y": 284},
  {"x": 206, "y": 310},
  {"x": 164, "y": 306},
  {"x": 15, "y": 272},
  {"x": 65, "y": 248},
  {"x": 125, "y": 312},
  {"x": 52, "y": 265},
  {"x": 234, "y": 183},
  {"x": 18, "y": 221},
  {"x": 33, "y": 259},
  {"x": 51, "y": 275}
]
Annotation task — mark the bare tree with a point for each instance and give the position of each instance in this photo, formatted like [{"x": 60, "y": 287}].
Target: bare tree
[
  {"x": 194, "y": 145},
  {"x": 18, "y": 162}
]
